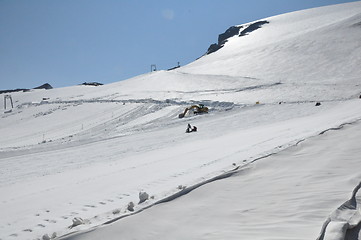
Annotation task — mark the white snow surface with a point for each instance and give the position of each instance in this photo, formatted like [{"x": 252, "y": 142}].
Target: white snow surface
[{"x": 72, "y": 159}]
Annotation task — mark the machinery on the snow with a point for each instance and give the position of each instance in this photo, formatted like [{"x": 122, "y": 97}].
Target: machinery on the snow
[{"x": 196, "y": 109}]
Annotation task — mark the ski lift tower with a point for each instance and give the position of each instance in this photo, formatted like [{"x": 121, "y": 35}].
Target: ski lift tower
[{"x": 8, "y": 98}]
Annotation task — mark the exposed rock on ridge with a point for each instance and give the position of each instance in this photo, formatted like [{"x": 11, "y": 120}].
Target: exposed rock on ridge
[{"x": 233, "y": 31}]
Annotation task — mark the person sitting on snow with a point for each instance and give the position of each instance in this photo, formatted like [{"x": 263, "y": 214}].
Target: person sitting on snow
[{"x": 189, "y": 128}]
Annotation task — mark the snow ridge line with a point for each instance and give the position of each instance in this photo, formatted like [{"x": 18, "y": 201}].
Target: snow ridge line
[
  {"x": 181, "y": 193},
  {"x": 224, "y": 175},
  {"x": 164, "y": 200},
  {"x": 339, "y": 127}
]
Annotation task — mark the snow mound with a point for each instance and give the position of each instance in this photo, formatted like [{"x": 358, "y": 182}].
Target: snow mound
[{"x": 343, "y": 219}]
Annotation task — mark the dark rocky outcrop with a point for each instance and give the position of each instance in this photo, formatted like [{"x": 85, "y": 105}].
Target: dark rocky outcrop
[
  {"x": 91, "y": 84},
  {"x": 45, "y": 86},
  {"x": 213, "y": 48},
  {"x": 252, "y": 27},
  {"x": 230, "y": 32},
  {"x": 222, "y": 38},
  {"x": 233, "y": 31}
]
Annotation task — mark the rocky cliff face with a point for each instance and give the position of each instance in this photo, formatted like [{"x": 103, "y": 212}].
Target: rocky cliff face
[{"x": 240, "y": 30}]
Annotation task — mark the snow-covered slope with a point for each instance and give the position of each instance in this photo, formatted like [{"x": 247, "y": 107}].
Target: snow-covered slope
[
  {"x": 85, "y": 152},
  {"x": 281, "y": 197}
]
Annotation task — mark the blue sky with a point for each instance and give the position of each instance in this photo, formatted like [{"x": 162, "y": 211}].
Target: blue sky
[{"x": 67, "y": 42}]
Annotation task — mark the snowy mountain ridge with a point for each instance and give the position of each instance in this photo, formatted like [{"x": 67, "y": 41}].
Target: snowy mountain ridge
[{"x": 74, "y": 158}]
